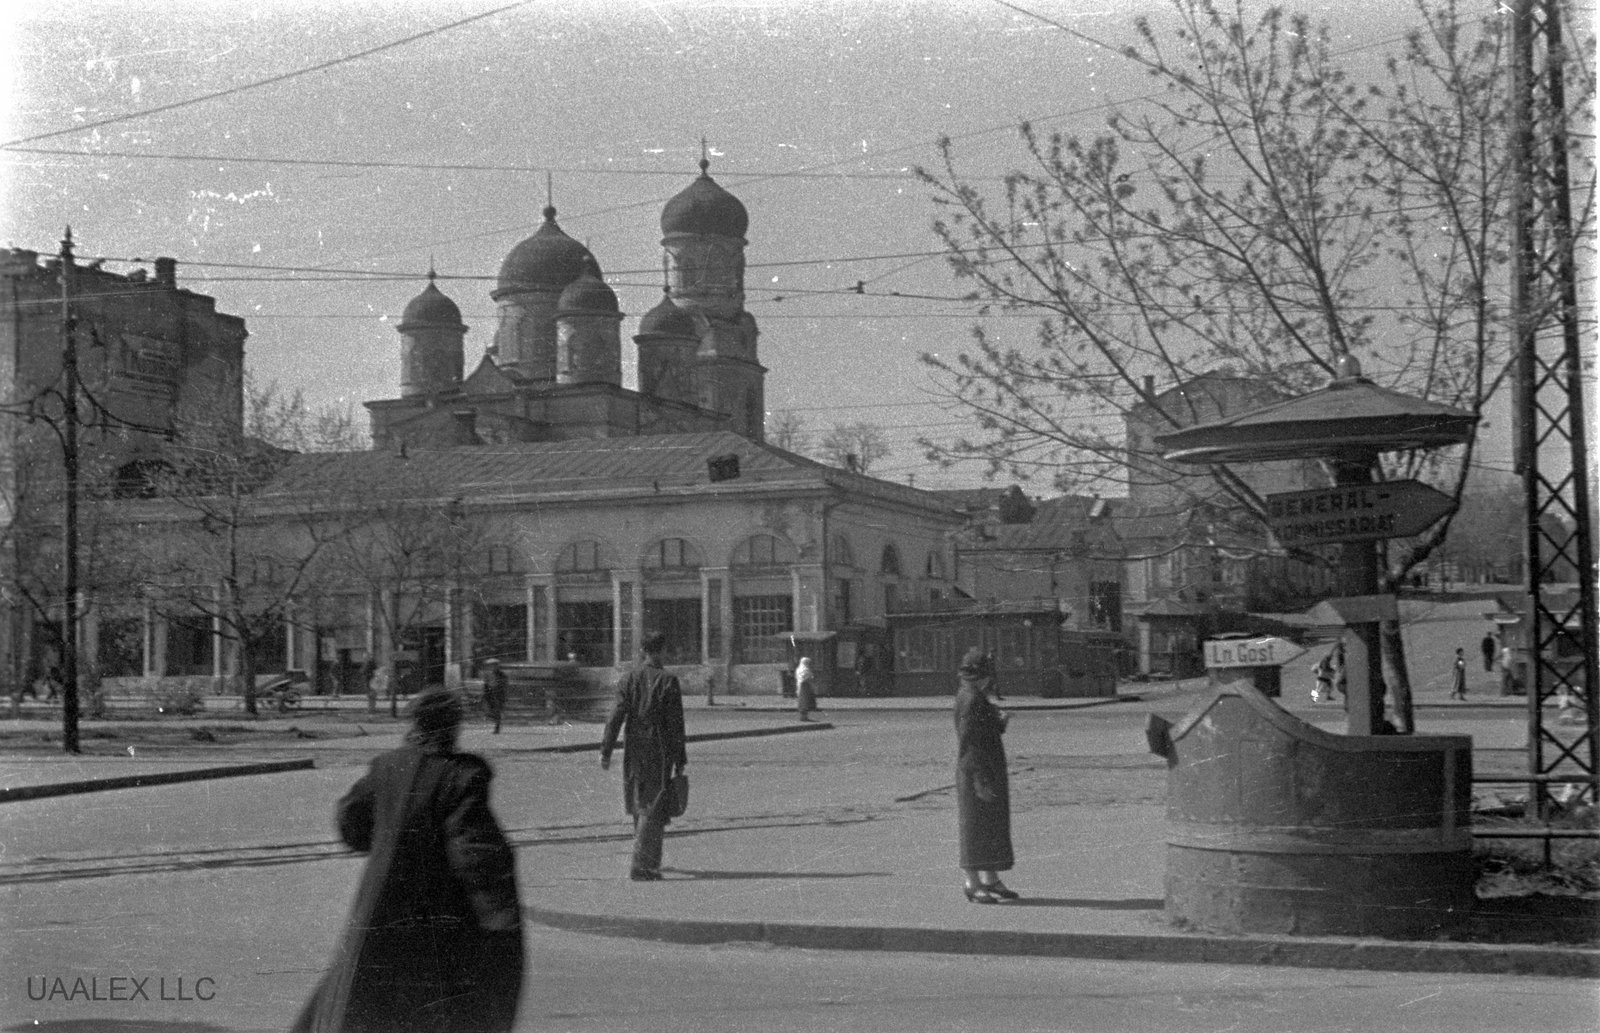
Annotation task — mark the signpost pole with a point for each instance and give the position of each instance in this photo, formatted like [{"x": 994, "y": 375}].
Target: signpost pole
[{"x": 1359, "y": 576}]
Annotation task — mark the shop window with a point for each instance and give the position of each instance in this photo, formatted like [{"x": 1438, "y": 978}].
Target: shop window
[
  {"x": 679, "y": 620},
  {"x": 121, "y": 647},
  {"x": 760, "y": 626},
  {"x": 189, "y": 645},
  {"x": 583, "y": 633},
  {"x": 269, "y": 647},
  {"x": 499, "y": 631}
]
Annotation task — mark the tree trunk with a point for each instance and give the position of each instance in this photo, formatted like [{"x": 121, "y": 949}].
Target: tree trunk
[{"x": 1396, "y": 674}]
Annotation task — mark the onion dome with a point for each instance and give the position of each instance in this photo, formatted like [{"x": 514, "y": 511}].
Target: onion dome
[
  {"x": 667, "y": 320},
  {"x": 549, "y": 259},
  {"x": 703, "y": 207},
  {"x": 432, "y": 306},
  {"x": 588, "y": 293}
]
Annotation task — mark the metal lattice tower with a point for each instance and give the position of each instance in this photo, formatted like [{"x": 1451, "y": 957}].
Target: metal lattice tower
[{"x": 1551, "y": 453}]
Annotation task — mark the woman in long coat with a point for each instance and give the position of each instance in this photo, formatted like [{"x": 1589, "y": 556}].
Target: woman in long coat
[
  {"x": 805, "y": 688},
  {"x": 434, "y": 941},
  {"x": 983, "y": 792}
]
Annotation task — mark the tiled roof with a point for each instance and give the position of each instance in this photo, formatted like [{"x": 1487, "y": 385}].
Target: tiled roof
[
  {"x": 597, "y": 466},
  {"x": 1058, "y": 523}
]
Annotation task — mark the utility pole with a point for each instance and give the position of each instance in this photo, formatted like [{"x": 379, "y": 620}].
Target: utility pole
[
  {"x": 69, "y": 536},
  {"x": 1551, "y": 454}
]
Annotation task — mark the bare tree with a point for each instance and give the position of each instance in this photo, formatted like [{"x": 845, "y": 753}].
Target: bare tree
[
  {"x": 787, "y": 430},
  {"x": 1266, "y": 214},
  {"x": 401, "y": 543},
  {"x": 217, "y": 553},
  {"x": 285, "y": 419},
  {"x": 854, "y": 446}
]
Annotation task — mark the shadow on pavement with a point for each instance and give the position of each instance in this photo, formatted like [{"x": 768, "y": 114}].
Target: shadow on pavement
[
  {"x": 703, "y": 873},
  {"x": 113, "y": 1026},
  {"x": 1131, "y": 904}
]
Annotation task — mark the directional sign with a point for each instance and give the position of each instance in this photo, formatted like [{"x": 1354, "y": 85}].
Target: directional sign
[
  {"x": 1355, "y": 513},
  {"x": 1269, "y": 651}
]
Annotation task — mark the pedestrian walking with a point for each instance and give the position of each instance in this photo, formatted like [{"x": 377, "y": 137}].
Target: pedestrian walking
[
  {"x": 650, "y": 705},
  {"x": 494, "y": 691},
  {"x": 805, "y": 688},
  {"x": 983, "y": 792},
  {"x": 434, "y": 941},
  {"x": 1458, "y": 684},
  {"x": 1488, "y": 647},
  {"x": 1323, "y": 671}
]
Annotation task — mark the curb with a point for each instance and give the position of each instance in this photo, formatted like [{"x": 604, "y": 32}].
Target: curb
[
  {"x": 742, "y": 733},
  {"x": 1176, "y": 948},
  {"x": 95, "y": 785}
]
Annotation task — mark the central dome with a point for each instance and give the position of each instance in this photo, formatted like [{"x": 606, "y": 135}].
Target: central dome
[
  {"x": 703, "y": 207},
  {"x": 548, "y": 260}
]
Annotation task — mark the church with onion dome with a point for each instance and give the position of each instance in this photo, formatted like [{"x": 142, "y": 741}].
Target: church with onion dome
[{"x": 554, "y": 369}]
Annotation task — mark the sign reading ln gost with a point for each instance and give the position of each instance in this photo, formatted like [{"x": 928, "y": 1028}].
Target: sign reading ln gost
[
  {"x": 1270, "y": 651},
  {"x": 1355, "y": 513}
]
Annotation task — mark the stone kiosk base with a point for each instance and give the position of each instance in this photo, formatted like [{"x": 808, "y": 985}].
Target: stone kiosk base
[{"x": 1276, "y": 826}]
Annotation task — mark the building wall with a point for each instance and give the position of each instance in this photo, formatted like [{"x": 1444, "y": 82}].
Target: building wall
[{"x": 147, "y": 350}]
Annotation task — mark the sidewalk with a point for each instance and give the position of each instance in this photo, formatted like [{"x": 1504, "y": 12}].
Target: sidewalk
[{"x": 888, "y": 882}]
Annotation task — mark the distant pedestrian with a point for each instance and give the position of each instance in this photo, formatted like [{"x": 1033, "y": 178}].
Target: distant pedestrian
[
  {"x": 805, "y": 688},
  {"x": 1341, "y": 674},
  {"x": 1488, "y": 647},
  {"x": 434, "y": 941},
  {"x": 1508, "y": 672},
  {"x": 1458, "y": 684},
  {"x": 650, "y": 705},
  {"x": 983, "y": 791},
  {"x": 494, "y": 691},
  {"x": 1323, "y": 672}
]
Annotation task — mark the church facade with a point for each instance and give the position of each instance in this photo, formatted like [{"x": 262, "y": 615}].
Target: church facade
[{"x": 554, "y": 513}]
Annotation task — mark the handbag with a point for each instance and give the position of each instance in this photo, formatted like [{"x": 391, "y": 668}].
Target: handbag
[{"x": 679, "y": 788}]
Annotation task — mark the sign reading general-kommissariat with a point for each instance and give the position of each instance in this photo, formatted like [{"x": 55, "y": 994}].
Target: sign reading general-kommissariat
[{"x": 1357, "y": 513}]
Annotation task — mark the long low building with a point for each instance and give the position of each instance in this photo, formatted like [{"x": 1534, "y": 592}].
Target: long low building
[{"x": 439, "y": 558}]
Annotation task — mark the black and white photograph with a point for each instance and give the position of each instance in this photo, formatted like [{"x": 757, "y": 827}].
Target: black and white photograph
[{"x": 812, "y": 516}]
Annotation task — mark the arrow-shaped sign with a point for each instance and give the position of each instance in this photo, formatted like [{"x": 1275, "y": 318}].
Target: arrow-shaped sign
[{"x": 1356, "y": 512}]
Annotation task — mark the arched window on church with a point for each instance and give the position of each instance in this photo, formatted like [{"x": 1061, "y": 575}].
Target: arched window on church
[
  {"x": 840, "y": 552},
  {"x": 891, "y": 561},
  {"x": 672, "y": 554},
  {"x": 935, "y": 565},
  {"x": 764, "y": 550},
  {"x": 584, "y": 557}
]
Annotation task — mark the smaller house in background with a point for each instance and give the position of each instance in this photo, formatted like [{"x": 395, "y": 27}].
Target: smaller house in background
[
  {"x": 1062, "y": 552},
  {"x": 1038, "y": 586}
]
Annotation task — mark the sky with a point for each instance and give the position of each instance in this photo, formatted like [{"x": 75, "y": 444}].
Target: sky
[{"x": 314, "y": 204}]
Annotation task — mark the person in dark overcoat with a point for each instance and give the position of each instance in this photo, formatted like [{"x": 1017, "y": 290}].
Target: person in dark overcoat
[
  {"x": 434, "y": 941},
  {"x": 494, "y": 691},
  {"x": 650, "y": 705},
  {"x": 983, "y": 792}
]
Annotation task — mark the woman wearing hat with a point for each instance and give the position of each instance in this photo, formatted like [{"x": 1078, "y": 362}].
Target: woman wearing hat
[
  {"x": 983, "y": 792},
  {"x": 434, "y": 941}
]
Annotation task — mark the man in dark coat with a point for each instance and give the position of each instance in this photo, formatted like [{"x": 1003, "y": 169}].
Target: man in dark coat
[
  {"x": 650, "y": 704},
  {"x": 983, "y": 791},
  {"x": 434, "y": 941}
]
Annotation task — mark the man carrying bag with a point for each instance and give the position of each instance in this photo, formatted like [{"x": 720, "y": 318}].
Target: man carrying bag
[{"x": 650, "y": 704}]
